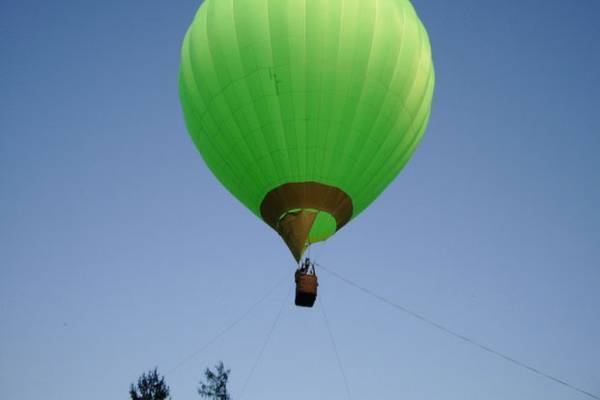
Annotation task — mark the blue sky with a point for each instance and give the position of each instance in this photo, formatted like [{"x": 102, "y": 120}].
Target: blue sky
[{"x": 121, "y": 252}]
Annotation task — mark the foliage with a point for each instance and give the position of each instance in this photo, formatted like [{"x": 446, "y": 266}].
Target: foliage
[
  {"x": 215, "y": 386},
  {"x": 150, "y": 386}
]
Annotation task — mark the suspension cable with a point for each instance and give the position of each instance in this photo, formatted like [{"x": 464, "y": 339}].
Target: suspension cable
[
  {"x": 459, "y": 336},
  {"x": 335, "y": 349},
  {"x": 229, "y": 327},
  {"x": 265, "y": 343}
]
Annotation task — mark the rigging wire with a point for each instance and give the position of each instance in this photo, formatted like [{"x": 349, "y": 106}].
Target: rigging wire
[
  {"x": 265, "y": 343},
  {"x": 335, "y": 349},
  {"x": 317, "y": 252},
  {"x": 460, "y": 336},
  {"x": 229, "y": 327}
]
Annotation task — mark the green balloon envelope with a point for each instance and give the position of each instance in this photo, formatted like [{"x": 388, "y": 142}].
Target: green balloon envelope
[{"x": 331, "y": 92}]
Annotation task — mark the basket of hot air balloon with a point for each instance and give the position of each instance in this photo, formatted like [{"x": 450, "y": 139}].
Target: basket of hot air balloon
[
  {"x": 306, "y": 110},
  {"x": 306, "y": 284},
  {"x": 306, "y": 290}
]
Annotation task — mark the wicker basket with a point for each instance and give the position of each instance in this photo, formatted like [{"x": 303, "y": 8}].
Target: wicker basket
[{"x": 306, "y": 290}]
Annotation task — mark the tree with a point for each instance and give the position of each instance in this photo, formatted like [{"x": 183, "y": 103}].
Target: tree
[
  {"x": 215, "y": 386},
  {"x": 150, "y": 386}
]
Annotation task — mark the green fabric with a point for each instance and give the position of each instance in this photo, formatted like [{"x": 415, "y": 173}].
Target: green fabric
[
  {"x": 333, "y": 91},
  {"x": 324, "y": 226}
]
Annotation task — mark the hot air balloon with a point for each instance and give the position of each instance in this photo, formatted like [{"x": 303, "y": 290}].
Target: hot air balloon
[{"x": 306, "y": 110}]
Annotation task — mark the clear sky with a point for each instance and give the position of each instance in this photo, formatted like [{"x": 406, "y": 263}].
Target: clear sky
[{"x": 119, "y": 251}]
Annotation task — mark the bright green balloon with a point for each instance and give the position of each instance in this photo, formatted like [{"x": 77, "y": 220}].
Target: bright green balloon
[{"x": 330, "y": 91}]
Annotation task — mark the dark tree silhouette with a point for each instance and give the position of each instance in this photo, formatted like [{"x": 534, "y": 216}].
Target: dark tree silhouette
[
  {"x": 150, "y": 386},
  {"x": 215, "y": 386}
]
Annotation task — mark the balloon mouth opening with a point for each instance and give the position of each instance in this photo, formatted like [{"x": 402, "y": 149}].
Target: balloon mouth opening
[
  {"x": 306, "y": 212},
  {"x": 323, "y": 227}
]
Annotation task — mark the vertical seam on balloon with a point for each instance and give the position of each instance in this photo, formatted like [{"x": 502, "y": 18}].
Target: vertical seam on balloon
[
  {"x": 396, "y": 167},
  {"x": 318, "y": 92},
  {"x": 233, "y": 172},
  {"x": 265, "y": 181},
  {"x": 321, "y": 176},
  {"x": 425, "y": 94},
  {"x": 388, "y": 94},
  {"x": 307, "y": 169},
  {"x": 320, "y": 67},
  {"x": 408, "y": 131},
  {"x": 328, "y": 153},
  {"x": 280, "y": 179},
  {"x": 268, "y": 151},
  {"x": 301, "y": 163},
  {"x": 340, "y": 183},
  {"x": 370, "y": 130},
  {"x": 357, "y": 206},
  {"x": 300, "y": 174},
  {"x": 361, "y": 92},
  {"x": 243, "y": 132},
  {"x": 405, "y": 156},
  {"x": 255, "y": 202},
  {"x": 185, "y": 59},
  {"x": 339, "y": 136},
  {"x": 332, "y": 124},
  {"x": 291, "y": 120},
  {"x": 245, "y": 173}
]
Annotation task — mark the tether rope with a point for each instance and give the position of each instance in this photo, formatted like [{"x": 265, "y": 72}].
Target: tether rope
[
  {"x": 227, "y": 328},
  {"x": 460, "y": 336},
  {"x": 335, "y": 349},
  {"x": 265, "y": 343}
]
